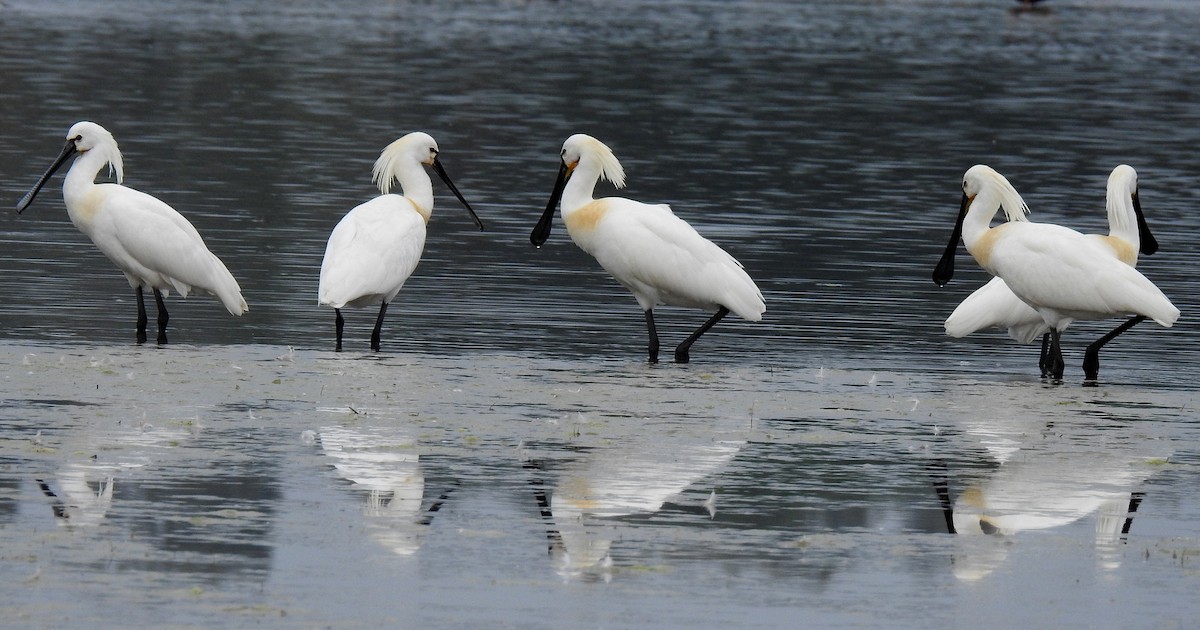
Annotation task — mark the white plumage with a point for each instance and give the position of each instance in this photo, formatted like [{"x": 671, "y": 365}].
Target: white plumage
[
  {"x": 375, "y": 248},
  {"x": 995, "y": 305},
  {"x": 148, "y": 240},
  {"x": 1060, "y": 273},
  {"x": 656, "y": 255},
  {"x": 371, "y": 252}
]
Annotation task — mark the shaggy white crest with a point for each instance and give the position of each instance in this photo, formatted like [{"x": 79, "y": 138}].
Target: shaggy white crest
[
  {"x": 90, "y": 137},
  {"x": 582, "y": 147},
  {"x": 396, "y": 156},
  {"x": 981, "y": 176}
]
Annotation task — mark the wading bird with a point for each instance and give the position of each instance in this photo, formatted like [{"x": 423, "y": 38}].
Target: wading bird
[
  {"x": 995, "y": 305},
  {"x": 377, "y": 245},
  {"x": 1061, "y": 273},
  {"x": 656, "y": 255},
  {"x": 148, "y": 240}
]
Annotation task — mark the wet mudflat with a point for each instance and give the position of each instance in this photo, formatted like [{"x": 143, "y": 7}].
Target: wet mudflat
[
  {"x": 244, "y": 485},
  {"x": 509, "y": 459}
]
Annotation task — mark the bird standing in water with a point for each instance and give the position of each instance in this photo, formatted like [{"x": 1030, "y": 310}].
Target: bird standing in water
[
  {"x": 148, "y": 240},
  {"x": 994, "y": 304},
  {"x": 1061, "y": 273},
  {"x": 656, "y": 255},
  {"x": 375, "y": 248}
]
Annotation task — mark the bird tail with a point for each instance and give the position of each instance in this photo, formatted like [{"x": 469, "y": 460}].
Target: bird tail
[
  {"x": 994, "y": 304},
  {"x": 1140, "y": 295},
  {"x": 964, "y": 321},
  {"x": 1024, "y": 324},
  {"x": 747, "y": 301},
  {"x": 226, "y": 288},
  {"x": 1165, "y": 314},
  {"x": 1028, "y": 331}
]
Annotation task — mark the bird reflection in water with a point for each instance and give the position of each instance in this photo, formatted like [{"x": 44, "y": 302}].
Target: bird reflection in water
[
  {"x": 593, "y": 491},
  {"x": 387, "y": 466},
  {"x": 1047, "y": 477},
  {"x": 81, "y": 493},
  {"x": 84, "y": 494}
]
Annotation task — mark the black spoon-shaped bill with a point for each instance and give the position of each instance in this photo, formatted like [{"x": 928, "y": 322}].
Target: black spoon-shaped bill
[
  {"x": 541, "y": 231},
  {"x": 437, "y": 168},
  {"x": 1147, "y": 243},
  {"x": 68, "y": 151},
  {"x": 944, "y": 271}
]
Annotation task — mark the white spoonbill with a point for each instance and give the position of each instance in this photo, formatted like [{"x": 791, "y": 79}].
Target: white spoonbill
[
  {"x": 1061, "y": 273},
  {"x": 377, "y": 245},
  {"x": 148, "y": 240},
  {"x": 995, "y": 305},
  {"x": 653, "y": 253}
]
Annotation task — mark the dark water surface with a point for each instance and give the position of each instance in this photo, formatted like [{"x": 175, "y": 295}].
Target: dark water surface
[{"x": 509, "y": 460}]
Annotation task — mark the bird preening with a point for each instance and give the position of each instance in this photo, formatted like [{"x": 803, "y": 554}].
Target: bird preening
[
  {"x": 1060, "y": 274},
  {"x": 152, "y": 244},
  {"x": 656, "y": 255}
]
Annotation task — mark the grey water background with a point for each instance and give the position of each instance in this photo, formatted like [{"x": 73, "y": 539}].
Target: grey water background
[{"x": 509, "y": 459}]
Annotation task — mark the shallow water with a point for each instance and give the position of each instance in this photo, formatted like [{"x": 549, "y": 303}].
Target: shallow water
[
  {"x": 234, "y": 485},
  {"x": 509, "y": 459}
]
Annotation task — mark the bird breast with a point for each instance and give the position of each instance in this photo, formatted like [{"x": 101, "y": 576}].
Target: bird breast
[{"x": 583, "y": 221}]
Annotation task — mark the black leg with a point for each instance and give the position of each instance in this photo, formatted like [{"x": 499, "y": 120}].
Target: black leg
[
  {"x": 1044, "y": 359},
  {"x": 543, "y": 502},
  {"x": 681, "y": 351},
  {"x": 378, "y": 327},
  {"x": 142, "y": 319},
  {"x": 653, "y": 347},
  {"x": 1091, "y": 358},
  {"x": 340, "y": 323},
  {"x": 1135, "y": 501},
  {"x": 163, "y": 317},
  {"x": 1055, "y": 361},
  {"x": 941, "y": 485},
  {"x": 435, "y": 507}
]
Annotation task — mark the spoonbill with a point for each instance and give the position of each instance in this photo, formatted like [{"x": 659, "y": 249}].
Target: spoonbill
[
  {"x": 377, "y": 245},
  {"x": 145, "y": 238},
  {"x": 1061, "y": 273},
  {"x": 656, "y": 255},
  {"x": 995, "y": 305}
]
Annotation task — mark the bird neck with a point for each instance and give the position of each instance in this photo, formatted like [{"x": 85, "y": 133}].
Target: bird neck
[
  {"x": 979, "y": 217},
  {"x": 82, "y": 175},
  {"x": 418, "y": 189},
  {"x": 423, "y": 210},
  {"x": 579, "y": 189}
]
